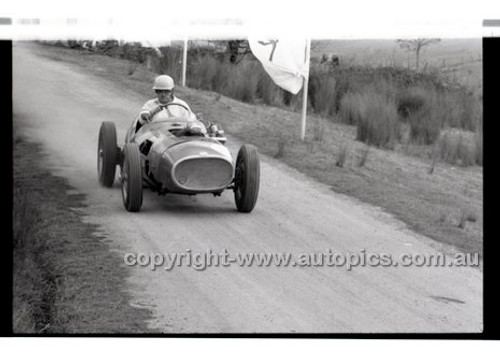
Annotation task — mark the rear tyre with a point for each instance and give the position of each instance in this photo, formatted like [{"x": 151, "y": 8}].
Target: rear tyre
[
  {"x": 107, "y": 154},
  {"x": 131, "y": 178},
  {"x": 247, "y": 178}
]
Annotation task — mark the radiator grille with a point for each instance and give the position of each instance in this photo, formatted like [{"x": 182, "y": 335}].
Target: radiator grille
[{"x": 203, "y": 173}]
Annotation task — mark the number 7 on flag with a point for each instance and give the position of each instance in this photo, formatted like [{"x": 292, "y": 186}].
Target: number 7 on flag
[{"x": 274, "y": 43}]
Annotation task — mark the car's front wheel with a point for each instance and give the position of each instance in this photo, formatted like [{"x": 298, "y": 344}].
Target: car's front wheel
[
  {"x": 131, "y": 177},
  {"x": 246, "y": 178}
]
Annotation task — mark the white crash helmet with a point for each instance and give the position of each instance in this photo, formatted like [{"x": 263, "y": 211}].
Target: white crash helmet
[{"x": 163, "y": 82}]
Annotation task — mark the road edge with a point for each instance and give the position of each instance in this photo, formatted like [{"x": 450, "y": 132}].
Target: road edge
[{"x": 65, "y": 278}]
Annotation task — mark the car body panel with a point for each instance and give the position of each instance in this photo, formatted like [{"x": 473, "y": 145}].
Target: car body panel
[{"x": 184, "y": 164}]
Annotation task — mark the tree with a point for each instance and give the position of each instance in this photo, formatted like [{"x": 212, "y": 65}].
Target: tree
[{"x": 415, "y": 45}]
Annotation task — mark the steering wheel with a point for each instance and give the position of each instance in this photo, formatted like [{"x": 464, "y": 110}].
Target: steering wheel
[
  {"x": 175, "y": 104},
  {"x": 138, "y": 125},
  {"x": 167, "y": 105}
]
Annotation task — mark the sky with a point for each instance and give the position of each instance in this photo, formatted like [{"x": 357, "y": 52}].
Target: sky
[{"x": 172, "y": 20}]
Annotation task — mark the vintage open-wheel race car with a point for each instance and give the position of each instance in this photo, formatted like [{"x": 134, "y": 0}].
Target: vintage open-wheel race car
[{"x": 179, "y": 155}]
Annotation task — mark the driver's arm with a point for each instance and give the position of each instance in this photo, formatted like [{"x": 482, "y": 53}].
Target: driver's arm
[
  {"x": 187, "y": 106},
  {"x": 154, "y": 111},
  {"x": 146, "y": 115}
]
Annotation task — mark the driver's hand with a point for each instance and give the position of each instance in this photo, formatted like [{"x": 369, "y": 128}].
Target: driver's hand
[
  {"x": 145, "y": 117},
  {"x": 155, "y": 111}
]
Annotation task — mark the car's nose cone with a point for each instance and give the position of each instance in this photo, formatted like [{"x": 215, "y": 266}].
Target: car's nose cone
[{"x": 203, "y": 173}]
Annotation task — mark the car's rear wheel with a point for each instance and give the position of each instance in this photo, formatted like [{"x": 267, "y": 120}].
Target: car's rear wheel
[
  {"x": 107, "y": 154},
  {"x": 247, "y": 178},
  {"x": 131, "y": 177}
]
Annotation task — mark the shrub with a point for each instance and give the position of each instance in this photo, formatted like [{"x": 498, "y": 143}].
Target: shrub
[
  {"x": 457, "y": 109},
  {"x": 342, "y": 88},
  {"x": 429, "y": 109},
  {"x": 410, "y": 101},
  {"x": 467, "y": 111},
  {"x": 351, "y": 108},
  {"x": 238, "y": 84},
  {"x": 378, "y": 123},
  {"x": 132, "y": 51},
  {"x": 324, "y": 99},
  {"x": 206, "y": 73},
  {"x": 456, "y": 147},
  {"x": 268, "y": 91},
  {"x": 425, "y": 125}
]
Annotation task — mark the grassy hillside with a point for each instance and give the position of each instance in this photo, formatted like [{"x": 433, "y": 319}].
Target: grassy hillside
[
  {"x": 459, "y": 59},
  {"x": 435, "y": 112}
]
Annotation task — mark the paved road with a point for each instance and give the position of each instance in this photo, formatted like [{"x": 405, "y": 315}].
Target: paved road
[{"x": 62, "y": 108}]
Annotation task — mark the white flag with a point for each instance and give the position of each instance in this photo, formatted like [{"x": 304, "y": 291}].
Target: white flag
[{"x": 286, "y": 60}]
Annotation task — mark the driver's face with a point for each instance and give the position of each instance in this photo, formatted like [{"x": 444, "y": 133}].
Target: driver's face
[{"x": 165, "y": 96}]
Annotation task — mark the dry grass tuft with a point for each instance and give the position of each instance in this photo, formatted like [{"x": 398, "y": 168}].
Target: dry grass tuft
[
  {"x": 281, "y": 147},
  {"x": 460, "y": 148},
  {"x": 318, "y": 129},
  {"x": 342, "y": 157},
  {"x": 378, "y": 123},
  {"x": 363, "y": 157}
]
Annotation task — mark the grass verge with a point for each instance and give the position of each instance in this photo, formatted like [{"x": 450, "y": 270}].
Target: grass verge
[{"x": 65, "y": 278}]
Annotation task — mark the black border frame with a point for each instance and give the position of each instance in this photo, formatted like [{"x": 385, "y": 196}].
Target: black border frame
[{"x": 491, "y": 296}]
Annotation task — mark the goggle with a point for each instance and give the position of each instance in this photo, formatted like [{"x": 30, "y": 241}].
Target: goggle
[{"x": 163, "y": 91}]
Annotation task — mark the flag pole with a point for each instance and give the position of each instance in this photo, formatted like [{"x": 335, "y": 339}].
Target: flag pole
[
  {"x": 184, "y": 62},
  {"x": 304, "y": 94}
]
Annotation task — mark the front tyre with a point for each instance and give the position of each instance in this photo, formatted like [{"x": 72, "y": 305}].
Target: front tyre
[
  {"x": 131, "y": 177},
  {"x": 246, "y": 178},
  {"x": 107, "y": 154}
]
